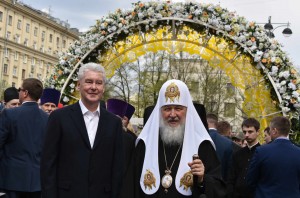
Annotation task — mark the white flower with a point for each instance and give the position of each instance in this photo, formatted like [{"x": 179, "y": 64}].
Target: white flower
[
  {"x": 285, "y": 74},
  {"x": 66, "y": 99},
  {"x": 62, "y": 61},
  {"x": 282, "y": 90},
  {"x": 78, "y": 51},
  {"x": 253, "y": 47},
  {"x": 292, "y": 86},
  {"x": 140, "y": 15},
  {"x": 283, "y": 82},
  {"x": 72, "y": 85},
  {"x": 285, "y": 109},
  {"x": 227, "y": 28},
  {"x": 295, "y": 94}
]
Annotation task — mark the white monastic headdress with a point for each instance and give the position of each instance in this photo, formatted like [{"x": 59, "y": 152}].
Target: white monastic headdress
[{"x": 173, "y": 92}]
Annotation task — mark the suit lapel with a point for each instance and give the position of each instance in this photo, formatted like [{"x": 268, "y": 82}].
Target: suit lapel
[
  {"x": 102, "y": 127},
  {"x": 76, "y": 115}
]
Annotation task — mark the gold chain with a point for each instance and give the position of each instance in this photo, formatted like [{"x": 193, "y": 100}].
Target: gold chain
[{"x": 173, "y": 160}]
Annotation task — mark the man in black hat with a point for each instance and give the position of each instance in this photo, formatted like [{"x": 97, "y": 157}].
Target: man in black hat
[
  {"x": 11, "y": 97},
  {"x": 50, "y": 100}
]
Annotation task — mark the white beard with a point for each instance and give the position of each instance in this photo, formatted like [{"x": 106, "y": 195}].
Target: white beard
[{"x": 171, "y": 135}]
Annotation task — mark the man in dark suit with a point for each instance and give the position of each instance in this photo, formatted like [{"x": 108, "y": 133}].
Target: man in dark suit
[
  {"x": 119, "y": 108},
  {"x": 236, "y": 183},
  {"x": 22, "y": 131},
  {"x": 224, "y": 146},
  {"x": 274, "y": 170},
  {"x": 82, "y": 155}
]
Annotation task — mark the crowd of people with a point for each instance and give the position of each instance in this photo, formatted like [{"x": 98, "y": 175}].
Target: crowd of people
[{"x": 89, "y": 150}]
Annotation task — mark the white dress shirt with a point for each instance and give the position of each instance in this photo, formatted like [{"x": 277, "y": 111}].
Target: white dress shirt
[{"x": 91, "y": 120}]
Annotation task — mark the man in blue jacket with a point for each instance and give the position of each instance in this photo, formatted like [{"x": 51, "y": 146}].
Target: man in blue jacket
[
  {"x": 22, "y": 132},
  {"x": 274, "y": 170}
]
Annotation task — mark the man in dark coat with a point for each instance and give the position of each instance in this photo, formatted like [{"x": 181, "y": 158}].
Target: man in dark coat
[
  {"x": 11, "y": 98},
  {"x": 224, "y": 146},
  {"x": 22, "y": 131},
  {"x": 119, "y": 108},
  {"x": 274, "y": 170},
  {"x": 164, "y": 161},
  {"x": 237, "y": 186},
  {"x": 50, "y": 100},
  {"x": 82, "y": 154}
]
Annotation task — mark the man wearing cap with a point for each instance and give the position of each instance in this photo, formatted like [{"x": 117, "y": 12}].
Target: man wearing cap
[
  {"x": 11, "y": 97},
  {"x": 50, "y": 100},
  {"x": 119, "y": 108},
  {"x": 22, "y": 132},
  {"x": 126, "y": 119},
  {"x": 164, "y": 161}
]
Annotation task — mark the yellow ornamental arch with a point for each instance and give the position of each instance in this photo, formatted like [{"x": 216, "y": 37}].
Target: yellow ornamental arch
[{"x": 254, "y": 62}]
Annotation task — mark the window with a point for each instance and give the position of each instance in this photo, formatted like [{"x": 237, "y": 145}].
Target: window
[
  {"x": 229, "y": 110},
  {"x": 9, "y": 20},
  {"x": 17, "y": 38},
  {"x": 39, "y": 76},
  {"x": 33, "y": 61},
  {"x": 49, "y": 50},
  {"x": 16, "y": 55},
  {"x": 27, "y": 27},
  {"x": 8, "y": 35},
  {"x": 212, "y": 107},
  {"x": 19, "y": 24},
  {"x": 34, "y": 45},
  {"x": 35, "y": 31},
  {"x": 32, "y": 69},
  {"x": 5, "y": 68},
  {"x": 26, "y": 42},
  {"x": 25, "y": 58},
  {"x": 50, "y": 38},
  {"x": 64, "y": 44},
  {"x": 23, "y": 73},
  {"x": 230, "y": 89},
  {"x": 1, "y": 16},
  {"x": 43, "y": 36},
  {"x": 42, "y": 48},
  {"x": 57, "y": 42},
  {"x": 6, "y": 52},
  {"x": 13, "y": 84},
  {"x": 15, "y": 71},
  {"x": 41, "y": 64}
]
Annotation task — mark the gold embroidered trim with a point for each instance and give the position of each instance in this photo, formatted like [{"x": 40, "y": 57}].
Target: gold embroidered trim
[{"x": 149, "y": 179}]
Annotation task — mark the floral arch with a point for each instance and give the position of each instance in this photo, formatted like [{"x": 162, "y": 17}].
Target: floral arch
[{"x": 254, "y": 62}]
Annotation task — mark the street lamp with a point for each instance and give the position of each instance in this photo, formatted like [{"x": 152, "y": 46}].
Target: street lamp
[{"x": 269, "y": 28}]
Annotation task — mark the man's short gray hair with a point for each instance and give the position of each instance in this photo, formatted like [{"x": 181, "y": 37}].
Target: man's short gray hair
[{"x": 91, "y": 67}]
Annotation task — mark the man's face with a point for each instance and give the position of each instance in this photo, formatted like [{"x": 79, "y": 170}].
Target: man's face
[
  {"x": 91, "y": 87},
  {"x": 173, "y": 115},
  {"x": 125, "y": 121},
  {"x": 267, "y": 137},
  {"x": 12, "y": 103},
  {"x": 250, "y": 135},
  {"x": 48, "y": 107}
]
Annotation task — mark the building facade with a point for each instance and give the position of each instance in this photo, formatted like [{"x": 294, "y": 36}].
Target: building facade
[{"x": 30, "y": 41}]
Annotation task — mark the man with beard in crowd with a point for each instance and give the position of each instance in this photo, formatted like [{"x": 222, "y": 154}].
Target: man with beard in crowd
[
  {"x": 164, "y": 162},
  {"x": 11, "y": 98},
  {"x": 50, "y": 100}
]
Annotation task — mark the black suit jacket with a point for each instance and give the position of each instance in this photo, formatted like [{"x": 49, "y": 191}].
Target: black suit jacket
[
  {"x": 70, "y": 167},
  {"x": 22, "y": 132}
]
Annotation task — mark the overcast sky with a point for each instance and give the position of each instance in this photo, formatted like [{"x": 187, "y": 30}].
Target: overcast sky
[{"x": 82, "y": 14}]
